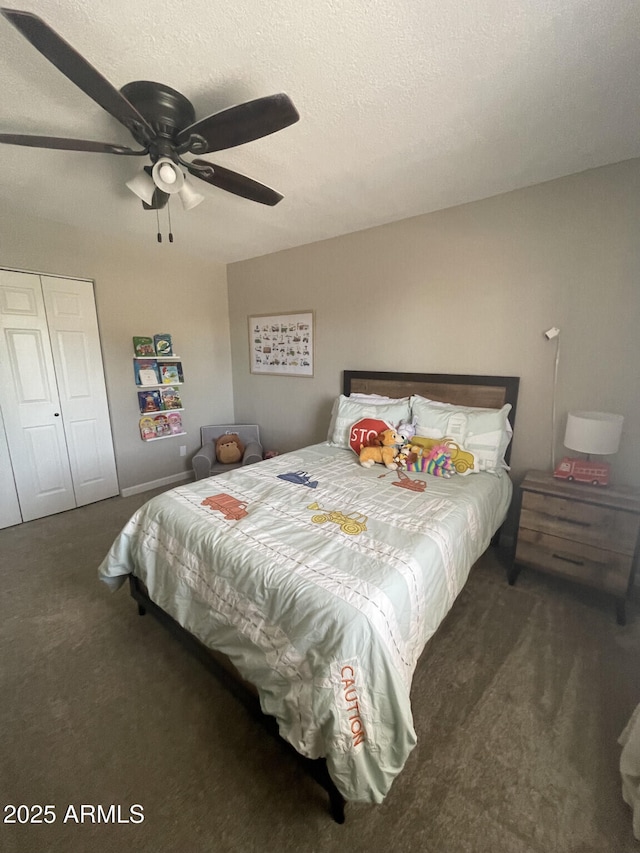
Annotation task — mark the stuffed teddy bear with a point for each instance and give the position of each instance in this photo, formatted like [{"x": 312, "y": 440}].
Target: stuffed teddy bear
[
  {"x": 229, "y": 448},
  {"x": 385, "y": 453}
]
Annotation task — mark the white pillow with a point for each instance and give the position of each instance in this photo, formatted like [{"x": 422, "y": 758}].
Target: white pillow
[
  {"x": 484, "y": 432},
  {"x": 347, "y": 410}
]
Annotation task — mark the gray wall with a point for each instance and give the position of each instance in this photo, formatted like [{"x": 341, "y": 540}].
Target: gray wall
[
  {"x": 466, "y": 290},
  {"x": 469, "y": 289},
  {"x": 141, "y": 288}
]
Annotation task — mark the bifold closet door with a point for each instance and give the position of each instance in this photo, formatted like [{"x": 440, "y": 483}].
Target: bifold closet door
[
  {"x": 77, "y": 358},
  {"x": 51, "y": 465},
  {"x": 9, "y": 506}
]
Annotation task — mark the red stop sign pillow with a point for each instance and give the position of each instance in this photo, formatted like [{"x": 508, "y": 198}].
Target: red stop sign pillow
[{"x": 364, "y": 431}]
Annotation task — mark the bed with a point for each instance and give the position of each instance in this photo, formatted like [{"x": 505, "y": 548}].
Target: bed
[
  {"x": 630, "y": 768},
  {"x": 313, "y": 584}
]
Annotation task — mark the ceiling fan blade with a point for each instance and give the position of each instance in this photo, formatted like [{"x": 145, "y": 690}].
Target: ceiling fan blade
[
  {"x": 66, "y": 144},
  {"x": 234, "y": 183},
  {"x": 78, "y": 70},
  {"x": 243, "y": 123}
]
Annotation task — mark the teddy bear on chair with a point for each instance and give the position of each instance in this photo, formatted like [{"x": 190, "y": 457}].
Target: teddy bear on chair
[
  {"x": 385, "y": 453},
  {"x": 229, "y": 448}
]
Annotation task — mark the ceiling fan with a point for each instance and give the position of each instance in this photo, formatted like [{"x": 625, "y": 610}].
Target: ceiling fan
[{"x": 163, "y": 122}]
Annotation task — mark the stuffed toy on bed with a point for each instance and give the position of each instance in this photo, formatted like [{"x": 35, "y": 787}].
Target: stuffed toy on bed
[
  {"x": 463, "y": 461},
  {"x": 436, "y": 461},
  {"x": 385, "y": 453},
  {"x": 229, "y": 448},
  {"x": 407, "y": 430}
]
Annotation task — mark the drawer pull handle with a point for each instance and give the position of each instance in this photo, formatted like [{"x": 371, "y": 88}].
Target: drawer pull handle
[
  {"x": 568, "y": 560},
  {"x": 574, "y": 521}
]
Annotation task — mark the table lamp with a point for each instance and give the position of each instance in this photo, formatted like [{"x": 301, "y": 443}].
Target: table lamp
[{"x": 592, "y": 433}]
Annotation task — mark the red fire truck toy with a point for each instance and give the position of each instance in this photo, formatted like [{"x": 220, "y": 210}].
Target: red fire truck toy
[{"x": 583, "y": 471}]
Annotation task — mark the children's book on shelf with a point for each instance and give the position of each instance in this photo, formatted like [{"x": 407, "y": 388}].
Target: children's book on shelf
[
  {"x": 163, "y": 345},
  {"x": 157, "y": 426},
  {"x": 170, "y": 398},
  {"x": 146, "y": 372},
  {"x": 143, "y": 346},
  {"x": 147, "y": 428},
  {"x": 150, "y": 401},
  {"x": 170, "y": 372},
  {"x": 175, "y": 423},
  {"x": 163, "y": 427}
]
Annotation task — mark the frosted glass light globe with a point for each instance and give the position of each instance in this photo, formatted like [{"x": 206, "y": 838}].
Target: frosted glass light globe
[
  {"x": 167, "y": 173},
  {"x": 167, "y": 176}
]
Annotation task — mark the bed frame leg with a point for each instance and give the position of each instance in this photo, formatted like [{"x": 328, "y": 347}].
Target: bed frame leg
[
  {"x": 336, "y": 806},
  {"x": 317, "y": 768},
  {"x": 137, "y": 595}
]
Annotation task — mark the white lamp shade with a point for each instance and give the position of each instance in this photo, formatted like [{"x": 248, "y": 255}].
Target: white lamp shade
[
  {"x": 142, "y": 185},
  {"x": 593, "y": 432},
  {"x": 189, "y": 197},
  {"x": 167, "y": 176}
]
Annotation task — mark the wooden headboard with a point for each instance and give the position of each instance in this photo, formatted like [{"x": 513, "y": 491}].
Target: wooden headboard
[{"x": 487, "y": 392}]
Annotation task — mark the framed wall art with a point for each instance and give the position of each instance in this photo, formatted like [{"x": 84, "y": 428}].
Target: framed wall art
[{"x": 282, "y": 344}]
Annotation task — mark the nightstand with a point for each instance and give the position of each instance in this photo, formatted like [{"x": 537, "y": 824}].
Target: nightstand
[{"x": 587, "y": 534}]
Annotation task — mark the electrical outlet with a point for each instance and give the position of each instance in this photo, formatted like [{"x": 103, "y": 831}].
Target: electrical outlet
[{"x": 183, "y": 450}]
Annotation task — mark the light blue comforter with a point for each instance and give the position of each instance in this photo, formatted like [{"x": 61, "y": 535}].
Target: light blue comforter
[{"x": 322, "y": 581}]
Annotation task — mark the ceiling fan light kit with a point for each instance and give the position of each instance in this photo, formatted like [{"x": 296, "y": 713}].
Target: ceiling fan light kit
[
  {"x": 167, "y": 176},
  {"x": 147, "y": 182},
  {"x": 143, "y": 186},
  {"x": 163, "y": 122},
  {"x": 189, "y": 197}
]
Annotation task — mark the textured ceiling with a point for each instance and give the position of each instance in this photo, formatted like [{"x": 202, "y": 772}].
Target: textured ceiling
[{"x": 407, "y": 106}]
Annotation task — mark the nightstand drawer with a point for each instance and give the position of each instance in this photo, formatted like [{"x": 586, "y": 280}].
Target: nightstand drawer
[
  {"x": 602, "y": 526},
  {"x": 579, "y": 561}
]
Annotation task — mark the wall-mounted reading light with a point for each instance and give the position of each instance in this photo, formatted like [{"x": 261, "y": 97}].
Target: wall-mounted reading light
[{"x": 554, "y": 334}]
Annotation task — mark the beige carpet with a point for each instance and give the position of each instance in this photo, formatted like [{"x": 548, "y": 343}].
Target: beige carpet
[{"x": 518, "y": 702}]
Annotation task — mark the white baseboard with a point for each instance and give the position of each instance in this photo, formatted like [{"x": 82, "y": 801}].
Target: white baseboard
[{"x": 182, "y": 477}]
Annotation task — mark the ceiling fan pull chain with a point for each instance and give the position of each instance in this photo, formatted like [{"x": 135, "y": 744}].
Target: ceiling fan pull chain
[
  {"x": 158, "y": 221},
  {"x": 169, "y": 215}
]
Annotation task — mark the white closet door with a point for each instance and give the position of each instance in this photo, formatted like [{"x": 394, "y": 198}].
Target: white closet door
[
  {"x": 9, "y": 506},
  {"x": 75, "y": 342},
  {"x": 30, "y": 404}
]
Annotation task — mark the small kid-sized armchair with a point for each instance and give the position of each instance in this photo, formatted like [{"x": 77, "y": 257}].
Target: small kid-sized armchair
[{"x": 205, "y": 463}]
